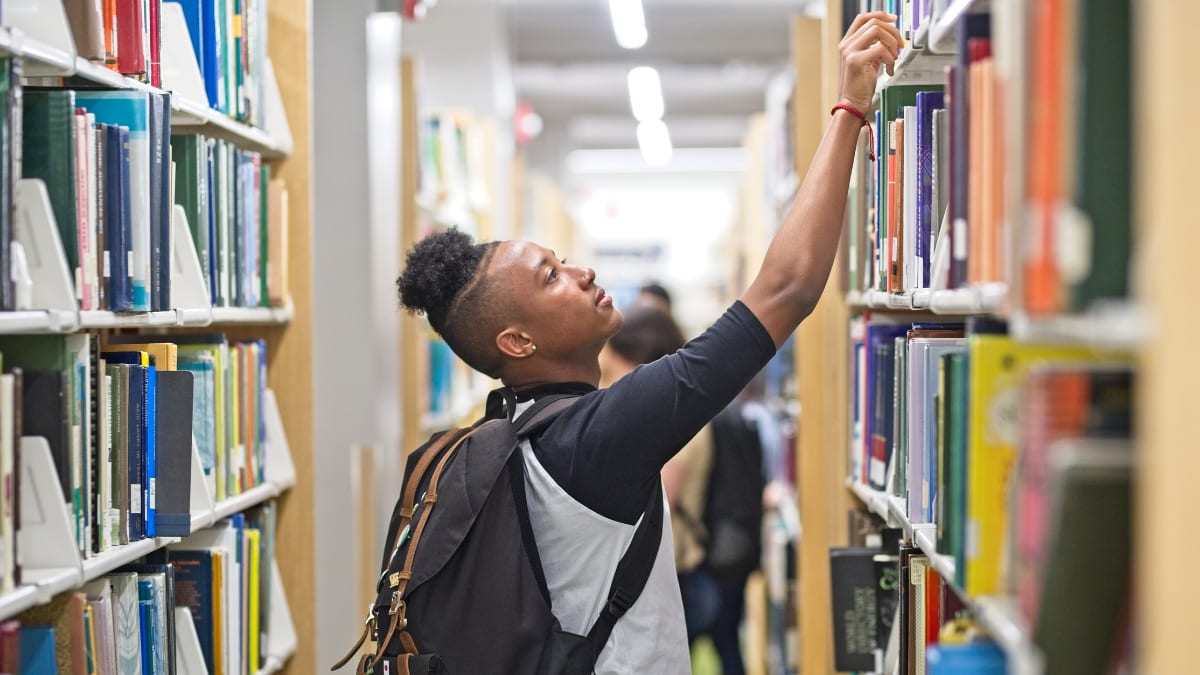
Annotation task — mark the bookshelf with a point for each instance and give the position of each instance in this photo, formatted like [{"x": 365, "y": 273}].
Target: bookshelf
[
  {"x": 1167, "y": 588},
  {"x": 447, "y": 180},
  {"x": 1127, "y": 326},
  {"x": 39, "y": 34}
]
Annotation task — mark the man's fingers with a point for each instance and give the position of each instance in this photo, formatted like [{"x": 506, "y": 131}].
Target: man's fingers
[
  {"x": 865, "y": 17},
  {"x": 876, "y": 32},
  {"x": 878, "y": 54}
]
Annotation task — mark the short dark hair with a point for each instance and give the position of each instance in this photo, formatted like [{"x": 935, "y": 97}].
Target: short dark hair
[
  {"x": 657, "y": 290},
  {"x": 648, "y": 334},
  {"x": 443, "y": 279}
]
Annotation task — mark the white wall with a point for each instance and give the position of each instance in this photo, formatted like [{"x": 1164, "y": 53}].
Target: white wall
[{"x": 344, "y": 369}]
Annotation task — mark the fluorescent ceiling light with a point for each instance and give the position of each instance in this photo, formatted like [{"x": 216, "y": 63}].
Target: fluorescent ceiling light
[
  {"x": 654, "y": 142},
  {"x": 645, "y": 94},
  {"x": 629, "y": 22}
]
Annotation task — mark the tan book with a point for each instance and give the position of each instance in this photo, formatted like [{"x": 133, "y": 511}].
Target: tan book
[
  {"x": 166, "y": 354},
  {"x": 87, "y": 27},
  {"x": 277, "y": 243}
]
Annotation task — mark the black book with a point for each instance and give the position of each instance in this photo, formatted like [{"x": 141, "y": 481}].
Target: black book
[
  {"x": 174, "y": 447},
  {"x": 855, "y": 607}
]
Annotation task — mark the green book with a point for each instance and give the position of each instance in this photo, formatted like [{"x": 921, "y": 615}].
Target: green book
[
  {"x": 191, "y": 192},
  {"x": 953, "y": 496},
  {"x": 264, "y": 240},
  {"x": 48, "y": 142},
  {"x": 1088, "y": 560},
  {"x": 1103, "y": 162},
  {"x": 899, "y": 466}
]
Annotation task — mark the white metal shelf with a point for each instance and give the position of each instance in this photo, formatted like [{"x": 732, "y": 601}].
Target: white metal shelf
[
  {"x": 119, "y": 556},
  {"x": 254, "y": 315},
  {"x": 1119, "y": 326},
  {"x": 944, "y": 31},
  {"x": 252, "y": 497},
  {"x": 986, "y": 299},
  {"x": 20, "y": 599}
]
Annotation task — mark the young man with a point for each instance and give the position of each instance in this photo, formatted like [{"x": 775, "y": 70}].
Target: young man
[{"x": 513, "y": 310}]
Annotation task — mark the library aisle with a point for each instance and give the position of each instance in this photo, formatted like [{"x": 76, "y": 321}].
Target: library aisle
[{"x": 973, "y": 455}]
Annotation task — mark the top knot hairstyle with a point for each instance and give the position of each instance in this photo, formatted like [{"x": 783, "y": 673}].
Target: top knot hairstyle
[{"x": 443, "y": 279}]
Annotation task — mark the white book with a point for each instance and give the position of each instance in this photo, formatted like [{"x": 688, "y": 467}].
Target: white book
[{"x": 90, "y": 271}]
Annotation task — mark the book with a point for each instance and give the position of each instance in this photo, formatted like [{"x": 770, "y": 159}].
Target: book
[
  {"x": 1089, "y": 560},
  {"x": 924, "y": 358},
  {"x": 128, "y": 623},
  {"x": 118, "y": 224},
  {"x": 10, "y": 165},
  {"x": 1059, "y": 401},
  {"x": 10, "y": 646},
  {"x": 132, "y": 109},
  {"x": 100, "y": 601},
  {"x": 174, "y": 447},
  {"x": 65, "y": 615},
  {"x": 10, "y": 426},
  {"x": 48, "y": 136},
  {"x": 1103, "y": 162},
  {"x": 854, "y": 609},
  {"x": 131, "y": 52},
  {"x": 997, "y": 365},
  {"x": 37, "y": 650},
  {"x": 143, "y": 440},
  {"x": 927, "y": 213},
  {"x": 196, "y": 589}
]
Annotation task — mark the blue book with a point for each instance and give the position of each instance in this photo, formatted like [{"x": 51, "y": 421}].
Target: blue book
[
  {"x": 159, "y": 135},
  {"x": 204, "y": 397},
  {"x": 211, "y": 66},
  {"x": 116, "y": 220},
  {"x": 151, "y": 642},
  {"x": 37, "y": 650},
  {"x": 194, "y": 581},
  {"x": 132, "y": 109},
  {"x": 877, "y": 336},
  {"x": 192, "y": 14},
  {"x": 140, "y": 439},
  {"x": 927, "y": 102}
]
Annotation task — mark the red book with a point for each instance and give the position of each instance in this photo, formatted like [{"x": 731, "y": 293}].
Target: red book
[
  {"x": 10, "y": 647},
  {"x": 131, "y": 56},
  {"x": 155, "y": 65}
]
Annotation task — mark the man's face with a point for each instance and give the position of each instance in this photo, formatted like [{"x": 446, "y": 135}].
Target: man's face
[{"x": 560, "y": 306}]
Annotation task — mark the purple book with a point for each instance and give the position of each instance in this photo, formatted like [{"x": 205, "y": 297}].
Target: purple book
[{"x": 927, "y": 102}]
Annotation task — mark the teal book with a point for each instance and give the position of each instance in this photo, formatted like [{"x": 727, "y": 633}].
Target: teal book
[
  {"x": 190, "y": 154},
  {"x": 37, "y": 650},
  {"x": 128, "y": 623}
]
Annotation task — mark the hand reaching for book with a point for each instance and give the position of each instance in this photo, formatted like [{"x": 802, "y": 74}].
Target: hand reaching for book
[{"x": 871, "y": 42}]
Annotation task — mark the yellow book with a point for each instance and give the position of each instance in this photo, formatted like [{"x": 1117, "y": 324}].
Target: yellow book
[
  {"x": 237, "y": 451},
  {"x": 218, "y": 602},
  {"x": 996, "y": 368},
  {"x": 166, "y": 354},
  {"x": 253, "y": 607}
]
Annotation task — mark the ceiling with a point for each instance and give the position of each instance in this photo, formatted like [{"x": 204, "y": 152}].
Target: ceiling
[{"x": 714, "y": 58}]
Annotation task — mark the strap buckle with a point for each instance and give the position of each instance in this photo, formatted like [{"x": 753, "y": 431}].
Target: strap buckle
[{"x": 620, "y": 601}]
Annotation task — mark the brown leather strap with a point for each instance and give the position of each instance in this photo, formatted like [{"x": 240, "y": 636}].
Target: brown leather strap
[
  {"x": 431, "y": 497},
  {"x": 357, "y": 645},
  {"x": 366, "y": 664},
  {"x": 408, "y": 503},
  {"x": 407, "y": 642},
  {"x": 402, "y": 665}
]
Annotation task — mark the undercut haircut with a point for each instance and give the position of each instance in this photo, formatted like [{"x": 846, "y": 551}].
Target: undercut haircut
[{"x": 444, "y": 280}]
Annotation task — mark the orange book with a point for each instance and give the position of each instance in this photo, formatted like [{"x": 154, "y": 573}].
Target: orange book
[
  {"x": 977, "y": 242},
  {"x": 990, "y": 199},
  {"x": 1044, "y": 187}
]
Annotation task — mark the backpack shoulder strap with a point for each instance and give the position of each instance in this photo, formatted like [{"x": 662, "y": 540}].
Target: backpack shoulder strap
[
  {"x": 633, "y": 571},
  {"x": 542, "y": 413}
]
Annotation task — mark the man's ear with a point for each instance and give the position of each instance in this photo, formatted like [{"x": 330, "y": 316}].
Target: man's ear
[{"x": 515, "y": 343}]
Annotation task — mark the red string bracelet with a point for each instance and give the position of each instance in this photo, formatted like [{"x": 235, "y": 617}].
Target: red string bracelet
[{"x": 870, "y": 133}]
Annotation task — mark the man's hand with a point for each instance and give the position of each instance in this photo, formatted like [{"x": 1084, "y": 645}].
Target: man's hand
[{"x": 872, "y": 41}]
